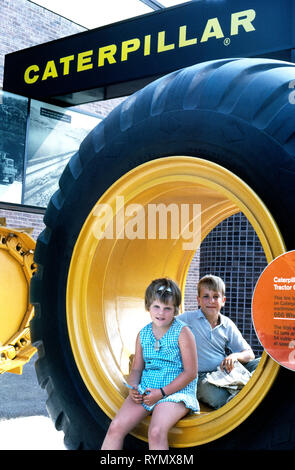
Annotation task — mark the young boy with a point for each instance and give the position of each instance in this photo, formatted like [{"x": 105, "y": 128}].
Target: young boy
[{"x": 215, "y": 334}]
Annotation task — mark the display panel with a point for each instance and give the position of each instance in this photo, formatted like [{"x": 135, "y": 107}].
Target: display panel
[
  {"x": 273, "y": 309},
  {"x": 54, "y": 135},
  {"x": 13, "y": 123}
]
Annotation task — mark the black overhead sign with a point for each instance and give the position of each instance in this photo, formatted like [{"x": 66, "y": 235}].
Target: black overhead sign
[{"x": 118, "y": 59}]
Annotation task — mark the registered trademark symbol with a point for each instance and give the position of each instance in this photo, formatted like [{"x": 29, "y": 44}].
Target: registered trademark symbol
[{"x": 226, "y": 42}]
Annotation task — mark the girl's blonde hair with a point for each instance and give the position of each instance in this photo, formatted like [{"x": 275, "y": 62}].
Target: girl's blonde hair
[{"x": 214, "y": 283}]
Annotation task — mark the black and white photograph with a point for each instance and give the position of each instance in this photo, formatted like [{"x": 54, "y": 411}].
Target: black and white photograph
[
  {"x": 54, "y": 135},
  {"x": 13, "y": 122}
]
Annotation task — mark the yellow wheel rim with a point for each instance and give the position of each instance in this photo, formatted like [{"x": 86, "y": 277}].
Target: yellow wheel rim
[{"x": 108, "y": 277}]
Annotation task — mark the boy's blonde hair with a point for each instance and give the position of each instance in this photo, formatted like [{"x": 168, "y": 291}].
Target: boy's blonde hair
[
  {"x": 214, "y": 283},
  {"x": 164, "y": 290}
]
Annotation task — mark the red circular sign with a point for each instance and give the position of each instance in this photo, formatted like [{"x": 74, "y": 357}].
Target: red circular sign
[{"x": 273, "y": 309}]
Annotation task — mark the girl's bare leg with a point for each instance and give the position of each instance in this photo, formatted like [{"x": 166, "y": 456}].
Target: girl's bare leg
[
  {"x": 164, "y": 416},
  {"x": 129, "y": 415}
]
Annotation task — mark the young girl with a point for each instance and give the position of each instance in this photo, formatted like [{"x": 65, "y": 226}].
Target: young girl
[{"x": 163, "y": 374}]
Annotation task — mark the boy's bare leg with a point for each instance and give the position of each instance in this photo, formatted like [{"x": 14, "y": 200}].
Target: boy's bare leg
[
  {"x": 164, "y": 416},
  {"x": 129, "y": 415}
]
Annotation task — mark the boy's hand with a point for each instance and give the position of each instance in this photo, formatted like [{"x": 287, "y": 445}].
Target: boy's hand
[{"x": 228, "y": 363}]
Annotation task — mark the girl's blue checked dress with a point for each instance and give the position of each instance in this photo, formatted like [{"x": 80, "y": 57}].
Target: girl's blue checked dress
[{"x": 163, "y": 364}]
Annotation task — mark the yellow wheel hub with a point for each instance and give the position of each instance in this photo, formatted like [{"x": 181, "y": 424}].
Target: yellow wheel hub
[
  {"x": 16, "y": 269},
  {"x": 108, "y": 278}
]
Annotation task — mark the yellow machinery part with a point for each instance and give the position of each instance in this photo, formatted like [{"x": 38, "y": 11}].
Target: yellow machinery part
[{"x": 16, "y": 269}]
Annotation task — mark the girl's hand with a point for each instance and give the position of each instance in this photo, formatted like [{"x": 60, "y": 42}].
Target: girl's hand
[
  {"x": 151, "y": 396},
  {"x": 135, "y": 395}
]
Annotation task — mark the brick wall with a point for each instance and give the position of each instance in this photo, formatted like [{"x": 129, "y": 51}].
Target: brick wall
[
  {"x": 24, "y": 24},
  {"x": 192, "y": 279}
]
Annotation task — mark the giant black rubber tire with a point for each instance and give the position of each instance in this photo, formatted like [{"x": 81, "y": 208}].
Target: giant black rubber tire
[{"x": 234, "y": 112}]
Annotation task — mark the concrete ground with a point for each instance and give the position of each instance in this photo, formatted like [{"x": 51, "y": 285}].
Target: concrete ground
[{"x": 24, "y": 421}]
